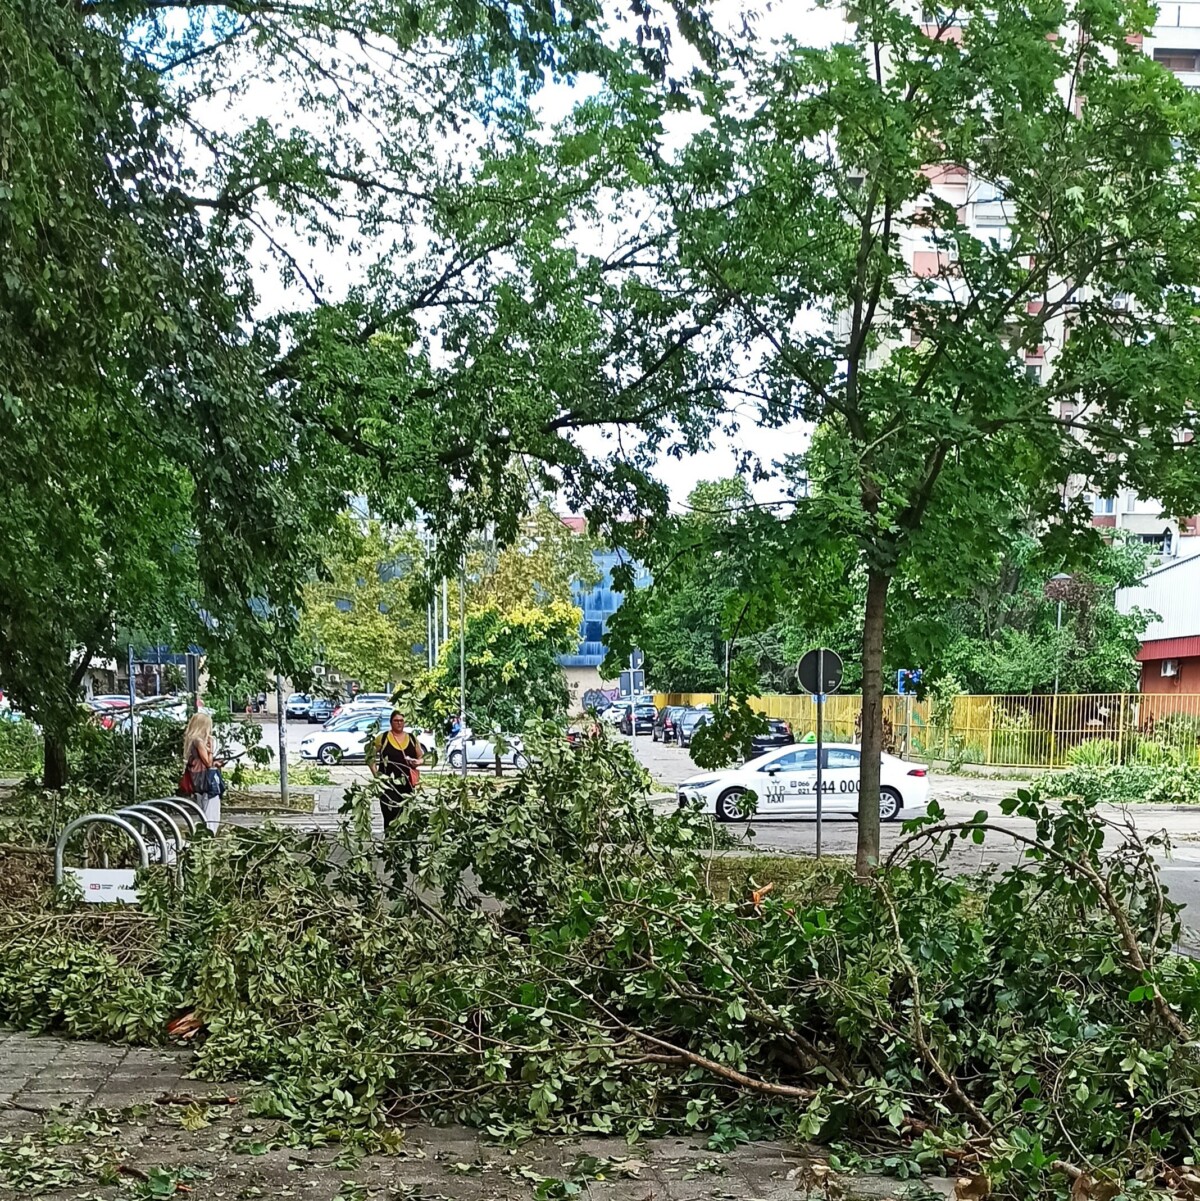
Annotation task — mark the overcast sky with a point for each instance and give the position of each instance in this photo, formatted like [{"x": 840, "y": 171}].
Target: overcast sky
[{"x": 776, "y": 19}]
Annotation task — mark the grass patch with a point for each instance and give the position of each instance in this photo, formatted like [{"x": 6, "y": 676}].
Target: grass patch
[
  {"x": 799, "y": 878},
  {"x": 298, "y": 774},
  {"x": 241, "y": 800}
]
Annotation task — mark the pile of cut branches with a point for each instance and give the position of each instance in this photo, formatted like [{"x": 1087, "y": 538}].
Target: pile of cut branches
[{"x": 549, "y": 956}]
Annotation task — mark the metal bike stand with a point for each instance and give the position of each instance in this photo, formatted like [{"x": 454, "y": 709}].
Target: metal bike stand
[
  {"x": 164, "y": 851},
  {"x": 172, "y": 805},
  {"x": 201, "y": 824},
  {"x": 151, "y": 808},
  {"x": 101, "y": 884}
]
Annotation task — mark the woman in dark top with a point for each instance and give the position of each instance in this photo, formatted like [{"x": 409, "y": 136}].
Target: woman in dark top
[{"x": 396, "y": 757}]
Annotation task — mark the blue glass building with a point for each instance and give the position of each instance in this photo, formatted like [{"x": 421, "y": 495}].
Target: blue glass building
[{"x": 598, "y": 604}]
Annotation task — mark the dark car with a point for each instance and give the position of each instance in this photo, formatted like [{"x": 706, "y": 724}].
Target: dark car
[
  {"x": 777, "y": 733},
  {"x": 321, "y": 710},
  {"x": 690, "y": 722},
  {"x": 645, "y": 716},
  {"x": 667, "y": 722}
]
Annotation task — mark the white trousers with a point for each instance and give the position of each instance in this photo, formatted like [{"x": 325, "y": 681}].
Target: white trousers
[{"x": 212, "y": 810}]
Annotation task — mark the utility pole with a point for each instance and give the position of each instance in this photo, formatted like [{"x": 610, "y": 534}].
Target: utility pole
[
  {"x": 462, "y": 659},
  {"x": 820, "y": 699},
  {"x": 133, "y": 722}
]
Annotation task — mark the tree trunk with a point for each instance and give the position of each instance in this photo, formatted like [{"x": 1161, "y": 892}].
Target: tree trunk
[
  {"x": 54, "y": 775},
  {"x": 872, "y": 723},
  {"x": 499, "y": 765}
]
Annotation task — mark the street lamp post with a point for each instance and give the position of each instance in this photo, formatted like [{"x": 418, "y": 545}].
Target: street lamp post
[{"x": 1058, "y": 580}]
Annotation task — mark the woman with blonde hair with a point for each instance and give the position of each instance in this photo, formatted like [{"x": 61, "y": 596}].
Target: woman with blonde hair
[{"x": 201, "y": 768}]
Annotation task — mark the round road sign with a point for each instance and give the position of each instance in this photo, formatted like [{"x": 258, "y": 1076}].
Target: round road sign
[{"x": 820, "y": 671}]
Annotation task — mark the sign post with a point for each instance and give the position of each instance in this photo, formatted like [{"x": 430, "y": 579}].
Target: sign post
[
  {"x": 636, "y": 659},
  {"x": 133, "y": 722},
  {"x": 281, "y": 725},
  {"x": 820, "y": 673}
]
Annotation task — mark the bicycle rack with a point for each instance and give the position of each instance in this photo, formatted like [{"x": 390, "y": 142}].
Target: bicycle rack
[
  {"x": 101, "y": 884},
  {"x": 151, "y": 808},
  {"x": 171, "y": 804},
  {"x": 201, "y": 823},
  {"x": 165, "y": 853}
]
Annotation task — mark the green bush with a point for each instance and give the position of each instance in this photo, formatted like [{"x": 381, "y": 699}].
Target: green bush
[
  {"x": 20, "y": 747},
  {"x": 1096, "y": 752},
  {"x": 1132, "y": 784},
  {"x": 1180, "y": 731}
]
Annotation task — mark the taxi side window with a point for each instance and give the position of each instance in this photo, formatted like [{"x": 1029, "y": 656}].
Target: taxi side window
[
  {"x": 840, "y": 757},
  {"x": 803, "y": 759}
]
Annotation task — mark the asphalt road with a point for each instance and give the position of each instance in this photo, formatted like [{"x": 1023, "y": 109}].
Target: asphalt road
[{"x": 960, "y": 796}]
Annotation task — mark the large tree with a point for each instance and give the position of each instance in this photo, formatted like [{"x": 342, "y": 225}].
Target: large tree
[
  {"x": 512, "y": 674},
  {"x": 364, "y": 616},
  {"x": 792, "y": 218},
  {"x": 545, "y": 561},
  {"x": 175, "y": 446}
]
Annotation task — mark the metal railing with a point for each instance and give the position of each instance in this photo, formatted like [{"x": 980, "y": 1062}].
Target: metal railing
[{"x": 1030, "y": 730}]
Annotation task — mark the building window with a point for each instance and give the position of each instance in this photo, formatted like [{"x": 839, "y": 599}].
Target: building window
[
  {"x": 1033, "y": 372},
  {"x": 1177, "y": 60},
  {"x": 1104, "y": 505}
]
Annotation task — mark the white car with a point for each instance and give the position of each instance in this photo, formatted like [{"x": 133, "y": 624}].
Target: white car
[
  {"x": 481, "y": 752},
  {"x": 346, "y": 741},
  {"x": 785, "y": 782}
]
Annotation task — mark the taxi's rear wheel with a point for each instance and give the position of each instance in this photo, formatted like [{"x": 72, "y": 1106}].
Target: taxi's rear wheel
[
  {"x": 890, "y": 804},
  {"x": 731, "y": 805}
]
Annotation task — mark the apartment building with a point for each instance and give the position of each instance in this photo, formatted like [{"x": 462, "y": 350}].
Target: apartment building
[
  {"x": 1176, "y": 41},
  {"x": 1175, "y": 45}
]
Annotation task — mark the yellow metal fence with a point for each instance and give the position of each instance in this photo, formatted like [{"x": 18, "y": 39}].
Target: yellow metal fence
[{"x": 1010, "y": 731}]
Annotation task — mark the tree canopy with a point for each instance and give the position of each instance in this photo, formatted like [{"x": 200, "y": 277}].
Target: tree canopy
[
  {"x": 217, "y": 321},
  {"x": 512, "y": 671},
  {"x": 791, "y": 221},
  {"x": 365, "y": 618}
]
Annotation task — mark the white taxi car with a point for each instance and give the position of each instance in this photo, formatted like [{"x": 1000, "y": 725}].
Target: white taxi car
[{"x": 785, "y": 782}]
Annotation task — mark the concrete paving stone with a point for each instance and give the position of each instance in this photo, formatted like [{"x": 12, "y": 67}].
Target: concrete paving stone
[
  {"x": 27, "y": 1055},
  {"x": 48, "y": 1099}
]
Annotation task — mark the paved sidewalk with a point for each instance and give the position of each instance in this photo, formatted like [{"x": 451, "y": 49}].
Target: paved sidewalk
[
  {"x": 38, "y": 1075},
  {"x": 221, "y": 1150}
]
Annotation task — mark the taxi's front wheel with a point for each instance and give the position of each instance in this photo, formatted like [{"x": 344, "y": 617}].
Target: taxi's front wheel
[{"x": 731, "y": 805}]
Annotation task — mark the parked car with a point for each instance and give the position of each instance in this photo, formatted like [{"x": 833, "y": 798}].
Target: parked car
[
  {"x": 665, "y": 724},
  {"x": 107, "y": 708},
  {"x": 379, "y": 719},
  {"x": 784, "y": 780},
  {"x": 644, "y": 715},
  {"x": 613, "y": 715},
  {"x": 481, "y": 752},
  {"x": 320, "y": 709},
  {"x": 298, "y": 704},
  {"x": 690, "y": 722},
  {"x": 365, "y": 700},
  {"x": 346, "y": 740},
  {"x": 777, "y": 733}
]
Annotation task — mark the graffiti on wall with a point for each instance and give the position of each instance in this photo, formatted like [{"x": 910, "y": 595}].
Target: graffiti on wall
[{"x": 599, "y": 698}]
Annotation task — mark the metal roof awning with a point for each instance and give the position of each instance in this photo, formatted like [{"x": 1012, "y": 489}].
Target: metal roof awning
[{"x": 1169, "y": 648}]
